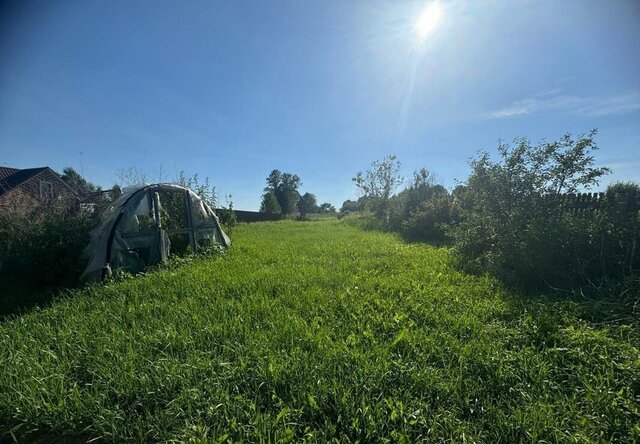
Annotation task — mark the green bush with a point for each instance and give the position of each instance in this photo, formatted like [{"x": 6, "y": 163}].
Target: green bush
[
  {"x": 44, "y": 247},
  {"x": 423, "y": 210},
  {"x": 516, "y": 222},
  {"x": 430, "y": 221},
  {"x": 364, "y": 220},
  {"x": 228, "y": 219}
]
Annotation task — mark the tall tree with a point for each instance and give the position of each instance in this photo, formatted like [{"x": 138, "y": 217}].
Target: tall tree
[
  {"x": 273, "y": 181},
  {"x": 307, "y": 204},
  {"x": 327, "y": 208},
  {"x": 380, "y": 182},
  {"x": 284, "y": 187},
  {"x": 270, "y": 204},
  {"x": 423, "y": 187},
  {"x": 81, "y": 186}
]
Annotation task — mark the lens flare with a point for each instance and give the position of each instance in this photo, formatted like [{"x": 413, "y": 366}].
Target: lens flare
[{"x": 428, "y": 21}]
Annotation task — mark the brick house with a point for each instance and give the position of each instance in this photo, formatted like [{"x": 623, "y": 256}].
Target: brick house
[{"x": 21, "y": 190}]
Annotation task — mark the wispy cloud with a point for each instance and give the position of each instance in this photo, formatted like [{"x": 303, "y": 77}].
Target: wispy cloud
[{"x": 554, "y": 101}]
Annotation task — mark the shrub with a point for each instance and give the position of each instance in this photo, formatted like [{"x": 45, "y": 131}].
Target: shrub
[
  {"x": 228, "y": 219},
  {"x": 514, "y": 222},
  {"x": 227, "y": 216},
  {"x": 429, "y": 222},
  {"x": 422, "y": 211},
  {"x": 44, "y": 247},
  {"x": 353, "y": 206}
]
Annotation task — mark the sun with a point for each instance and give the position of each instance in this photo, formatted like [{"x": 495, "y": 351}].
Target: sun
[{"x": 428, "y": 21}]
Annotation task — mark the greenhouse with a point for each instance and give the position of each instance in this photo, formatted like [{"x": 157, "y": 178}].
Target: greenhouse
[{"x": 147, "y": 225}]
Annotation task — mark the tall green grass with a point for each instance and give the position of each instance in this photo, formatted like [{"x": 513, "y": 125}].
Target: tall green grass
[{"x": 318, "y": 331}]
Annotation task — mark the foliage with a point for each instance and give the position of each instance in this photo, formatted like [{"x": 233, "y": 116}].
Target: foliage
[
  {"x": 363, "y": 220},
  {"x": 43, "y": 248},
  {"x": 92, "y": 197},
  {"x": 81, "y": 186},
  {"x": 270, "y": 204},
  {"x": 327, "y": 208},
  {"x": 227, "y": 216},
  {"x": 204, "y": 190},
  {"x": 423, "y": 186},
  {"x": 512, "y": 218},
  {"x": 349, "y": 206},
  {"x": 319, "y": 332},
  {"x": 284, "y": 186},
  {"x": 422, "y": 211},
  {"x": 116, "y": 192},
  {"x": 431, "y": 219},
  {"x": 307, "y": 204},
  {"x": 379, "y": 183}
]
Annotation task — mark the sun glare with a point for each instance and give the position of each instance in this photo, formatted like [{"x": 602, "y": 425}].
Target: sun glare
[{"x": 428, "y": 21}]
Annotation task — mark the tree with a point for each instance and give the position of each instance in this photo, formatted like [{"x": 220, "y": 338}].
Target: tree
[
  {"x": 270, "y": 204},
  {"x": 273, "y": 181},
  {"x": 81, "y": 186},
  {"x": 458, "y": 191},
  {"x": 422, "y": 210},
  {"x": 349, "y": 206},
  {"x": 327, "y": 208},
  {"x": 288, "y": 200},
  {"x": 116, "y": 192},
  {"x": 307, "y": 204},
  {"x": 380, "y": 182},
  {"x": 423, "y": 186},
  {"x": 284, "y": 187}
]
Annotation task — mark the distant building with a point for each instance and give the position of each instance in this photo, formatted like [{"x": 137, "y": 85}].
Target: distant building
[{"x": 21, "y": 190}]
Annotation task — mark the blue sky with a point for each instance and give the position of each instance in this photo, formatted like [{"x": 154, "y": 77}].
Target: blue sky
[{"x": 232, "y": 90}]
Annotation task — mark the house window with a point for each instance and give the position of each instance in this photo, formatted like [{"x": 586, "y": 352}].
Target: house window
[{"x": 46, "y": 190}]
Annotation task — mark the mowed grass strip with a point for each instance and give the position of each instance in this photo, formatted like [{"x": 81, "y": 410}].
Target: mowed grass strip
[{"x": 317, "y": 331}]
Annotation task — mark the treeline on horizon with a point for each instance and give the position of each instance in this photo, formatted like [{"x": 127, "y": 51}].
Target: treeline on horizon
[{"x": 281, "y": 196}]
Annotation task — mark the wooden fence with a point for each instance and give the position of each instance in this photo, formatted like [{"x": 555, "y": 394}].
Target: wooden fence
[
  {"x": 590, "y": 202},
  {"x": 252, "y": 216}
]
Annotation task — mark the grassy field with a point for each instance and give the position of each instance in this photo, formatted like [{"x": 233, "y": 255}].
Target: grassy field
[{"x": 318, "y": 331}]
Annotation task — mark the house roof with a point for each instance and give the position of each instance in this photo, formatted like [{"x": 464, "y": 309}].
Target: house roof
[
  {"x": 6, "y": 172},
  {"x": 12, "y": 177}
]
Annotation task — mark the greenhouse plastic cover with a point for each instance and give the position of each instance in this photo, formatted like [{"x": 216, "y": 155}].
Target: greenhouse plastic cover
[{"x": 146, "y": 225}]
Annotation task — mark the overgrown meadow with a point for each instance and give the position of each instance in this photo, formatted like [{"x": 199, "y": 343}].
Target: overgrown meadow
[{"x": 319, "y": 331}]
